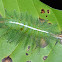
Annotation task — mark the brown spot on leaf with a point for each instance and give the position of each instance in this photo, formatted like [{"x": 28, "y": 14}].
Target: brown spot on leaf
[
  {"x": 46, "y": 16},
  {"x": 26, "y": 53},
  {"x": 21, "y": 29},
  {"x": 48, "y": 11},
  {"x": 28, "y": 48},
  {"x": 42, "y": 11},
  {"x": 49, "y": 23},
  {"x": 41, "y": 20},
  {"x": 43, "y": 43},
  {"x": 7, "y": 59},
  {"x": 45, "y": 57}
]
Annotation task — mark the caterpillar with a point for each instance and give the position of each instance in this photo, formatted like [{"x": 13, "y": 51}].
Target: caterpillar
[{"x": 33, "y": 30}]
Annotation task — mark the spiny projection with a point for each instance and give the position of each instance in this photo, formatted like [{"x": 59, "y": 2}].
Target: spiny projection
[{"x": 33, "y": 30}]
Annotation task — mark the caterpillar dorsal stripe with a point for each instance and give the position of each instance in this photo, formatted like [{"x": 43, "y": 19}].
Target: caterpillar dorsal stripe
[{"x": 35, "y": 29}]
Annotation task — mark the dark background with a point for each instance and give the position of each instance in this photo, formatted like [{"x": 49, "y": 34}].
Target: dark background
[{"x": 57, "y": 4}]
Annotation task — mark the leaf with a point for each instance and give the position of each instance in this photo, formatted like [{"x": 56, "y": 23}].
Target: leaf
[
  {"x": 53, "y": 16},
  {"x": 2, "y": 12},
  {"x": 58, "y": 16},
  {"x": 55, "y": 55},
  {"x": 16, "y": 42}
]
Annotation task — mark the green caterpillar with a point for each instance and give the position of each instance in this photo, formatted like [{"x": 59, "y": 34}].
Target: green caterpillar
[{"x": 20, "y": 26}]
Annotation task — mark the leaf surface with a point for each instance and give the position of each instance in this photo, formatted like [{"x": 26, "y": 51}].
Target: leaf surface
[{"x": 34, "y": 8}]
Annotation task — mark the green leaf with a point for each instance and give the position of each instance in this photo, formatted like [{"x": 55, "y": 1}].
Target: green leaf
[
  {"x": 2, "y": 12},
  {"x": 58, "y": 16},
  {"x": 55, "y": 56},
  {"x": 53, "y": 16},
  {"x": 15, "y": 38}
]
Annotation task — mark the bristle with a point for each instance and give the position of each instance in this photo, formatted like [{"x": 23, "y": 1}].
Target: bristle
[{"x": 33, "y": 30}]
